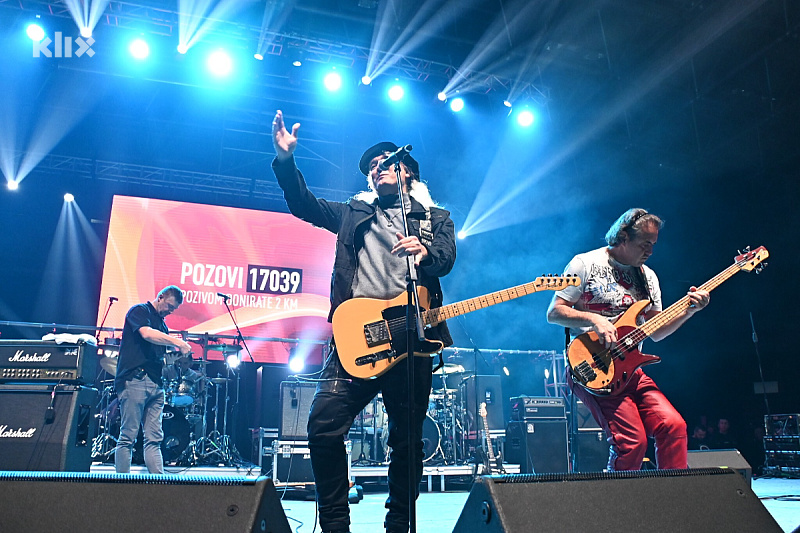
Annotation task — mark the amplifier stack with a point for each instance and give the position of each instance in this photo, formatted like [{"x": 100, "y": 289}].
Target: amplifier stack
[{"x": 46, "y": 412}]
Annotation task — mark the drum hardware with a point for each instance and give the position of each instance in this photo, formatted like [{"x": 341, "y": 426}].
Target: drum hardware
[
  {"x": 372, "y": 422},
  {"x": 104, "y": 443}
]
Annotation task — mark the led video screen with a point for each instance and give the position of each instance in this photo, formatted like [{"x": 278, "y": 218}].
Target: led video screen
[{"x": 274, "y": 267}]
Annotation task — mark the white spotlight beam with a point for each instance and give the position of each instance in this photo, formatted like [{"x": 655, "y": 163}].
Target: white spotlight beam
[
  {"x": 193, "y": 21},
  {"x": 86, "y": 14}
]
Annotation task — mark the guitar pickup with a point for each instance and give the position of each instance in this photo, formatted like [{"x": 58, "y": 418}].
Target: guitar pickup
[
  {"x": 374, "y": 357},
  {"x": 376, "y": 333},
  {"x": 600, "y": 363}
]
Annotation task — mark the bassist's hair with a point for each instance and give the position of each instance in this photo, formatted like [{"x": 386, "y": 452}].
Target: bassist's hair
[{"x": 631, "y": 223}]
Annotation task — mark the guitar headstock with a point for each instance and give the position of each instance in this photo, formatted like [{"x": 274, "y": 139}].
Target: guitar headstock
[
  {"x": 749, "y": 260},
  {"x": 482, "y": 410},
  {"x": 550, "y": 282}
]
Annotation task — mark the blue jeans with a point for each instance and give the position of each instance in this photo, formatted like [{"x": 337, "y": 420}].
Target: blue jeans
[{"x": 141, "y": 403}]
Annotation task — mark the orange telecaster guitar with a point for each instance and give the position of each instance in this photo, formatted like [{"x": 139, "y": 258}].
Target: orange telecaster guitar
[
  {"x": 605, "y": 371},
  {"x": 370, "y": 334}
]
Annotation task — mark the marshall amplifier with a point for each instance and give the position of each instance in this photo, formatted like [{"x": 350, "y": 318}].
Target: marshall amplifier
[
  {"x": 43, "y": 429},
  {"x": 40, "y": 361},
  {"x": 537, "y": 407}
]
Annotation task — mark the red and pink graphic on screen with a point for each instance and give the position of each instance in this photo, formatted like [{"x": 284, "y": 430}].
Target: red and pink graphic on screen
[{"x": 275, "y": 268}]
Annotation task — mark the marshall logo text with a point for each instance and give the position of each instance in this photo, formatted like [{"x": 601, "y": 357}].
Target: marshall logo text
[
  {"x": 6, "y": 433},
  {"x": 28, "y": 358}
]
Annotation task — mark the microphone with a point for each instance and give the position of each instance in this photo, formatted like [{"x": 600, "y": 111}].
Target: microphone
[
  {"x": 394, "y": 157},
  {"x": 112, "y": 299},
  {"x": 223, "y": 296}
]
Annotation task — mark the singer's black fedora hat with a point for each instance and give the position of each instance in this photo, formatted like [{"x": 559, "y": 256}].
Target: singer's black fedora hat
[{"x": 382, "y": 148}]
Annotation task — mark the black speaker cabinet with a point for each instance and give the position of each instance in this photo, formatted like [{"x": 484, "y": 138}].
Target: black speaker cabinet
[
  {"x": 295, "y": 405},
  {"x": 537, "y": 446},
  {"x": 34, "y": 436},
  {"x": 490, "y": 392},
  {"x": 722, "y": 458},
  {"x": 710, "y": 499},
  {"x": 133, "y": 503},
  {"x": 591, "y": 450}
]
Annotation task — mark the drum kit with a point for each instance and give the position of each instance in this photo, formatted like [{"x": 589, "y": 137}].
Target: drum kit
[
  {"x": 442, "y": 430},
  {"x": 190, "y": 409}
]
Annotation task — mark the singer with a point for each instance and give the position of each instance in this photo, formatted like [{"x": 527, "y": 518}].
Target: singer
[
  {"x": 138, "y": 383},
  {"x": 370, "y": 262}
]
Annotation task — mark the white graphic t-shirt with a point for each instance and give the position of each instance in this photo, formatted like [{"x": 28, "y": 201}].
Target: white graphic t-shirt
[{"x": 607, "y": 287}]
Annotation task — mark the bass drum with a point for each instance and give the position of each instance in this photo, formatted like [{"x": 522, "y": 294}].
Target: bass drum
[
  {"x": 431, "y": 439},
  {"x": 176, "y": 433}
]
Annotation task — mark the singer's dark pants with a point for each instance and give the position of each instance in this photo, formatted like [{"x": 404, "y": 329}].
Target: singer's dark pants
[{"x": 336, "y": 404}]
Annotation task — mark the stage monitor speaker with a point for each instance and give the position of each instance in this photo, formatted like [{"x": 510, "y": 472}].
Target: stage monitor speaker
[
  {"x": 133, "y": 503},
  {"x": 490, "y": 392},
  {"x": 537, "y": 446},
  {"x": 43, "y": 430},
  {"x": 711, "y": 499},
  {"x": 296, "y": 398},
  {"x": 721, "y": 458}
]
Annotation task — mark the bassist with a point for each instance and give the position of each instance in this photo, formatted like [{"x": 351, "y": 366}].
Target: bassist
[{"x": 612, "y": 279}]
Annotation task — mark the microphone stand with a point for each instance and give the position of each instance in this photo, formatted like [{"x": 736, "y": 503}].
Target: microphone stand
[
  {"x": 111, "y": 300},
  {"x": 414, "y": 332},
  {"x": 240, "y": 338}
]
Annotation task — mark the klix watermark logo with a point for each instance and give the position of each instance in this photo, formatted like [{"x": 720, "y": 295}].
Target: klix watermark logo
[{"x": 63, "y": 47}]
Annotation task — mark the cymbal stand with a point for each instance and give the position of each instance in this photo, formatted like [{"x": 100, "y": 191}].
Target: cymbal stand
[{"x": 104, "y": 443}]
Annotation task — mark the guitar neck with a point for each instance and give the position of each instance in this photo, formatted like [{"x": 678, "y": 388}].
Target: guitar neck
[
  {"x": 679, "y": 307},
  {"x": 440, "y": 314}
]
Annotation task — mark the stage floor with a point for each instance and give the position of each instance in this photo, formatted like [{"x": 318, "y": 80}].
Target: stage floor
[{"x": 438, "y": 511}]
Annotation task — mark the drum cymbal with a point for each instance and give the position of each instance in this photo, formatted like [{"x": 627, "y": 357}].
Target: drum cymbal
[
  {"x": 225, "y": 348},
  {"x": 450, "y": 368},
  {"x": 444, "y": 391},
  {"x": 218, "y": 381},
  {"x": 109, "y": 364}
]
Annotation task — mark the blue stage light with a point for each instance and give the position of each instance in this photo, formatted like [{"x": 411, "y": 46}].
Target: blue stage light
[
  {"x": 86, "y": 32},
  {"x": 183, "y": 48},
  {"x": 525, "y": 118},
  {"x": 219, "y": 63},
  {"x": 69, "y": 197},
  {"x": 332, "y": 81},
  {"x": 258, "y": 56},
  {"x": 139, "y": 49},
  {"x": 462, "y": 234},
  {"x": 13, "y": 185},
  {"x": 296, "y": 364},
  {"x": 35, "y": 32},
  {"x": 442, "y": 96},
  {"x": 457, "y": 104},
  {"x": 396, "y": 93},
  {"x": 366, "y": 80}
]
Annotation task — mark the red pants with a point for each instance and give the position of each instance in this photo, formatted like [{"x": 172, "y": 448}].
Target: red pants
[{"x": 629, "y": 418}]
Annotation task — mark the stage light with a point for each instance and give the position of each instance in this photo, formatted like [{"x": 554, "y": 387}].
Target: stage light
[
  {"x": 297, "y": 63},
  {"x": 182, "y": 48},
  {"x": 442, "y": 96},
  {"x": 506, "y": 103},
  {"x": 139, "y": 49},
  {"x": 462, "y": 234},
  {"x": 35, "y": 32},
  {"x": 219, "y": 63},
  {"x": 233, "y": 360},
  {"x": 69, "y": 197},
  {"x": 296, "y": 364},
  {"x": 546, "y": 373},
  {"x": 332, "y": 81},
  {"x": 13, "y": 185},
  {"x": 86, "y": 32},
  {"x": 525, "y": 118},
  {"x": 505, "y": 371},
  {"x": 258, "y": 56},
  {"x": 366, "y": 80},
  {"x": 396, "y": 93},
  {"x": 457, "y": 104}
]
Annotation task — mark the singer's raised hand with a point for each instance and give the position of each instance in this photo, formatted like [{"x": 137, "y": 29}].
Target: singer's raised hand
[{"x": 283, "y": 141}]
